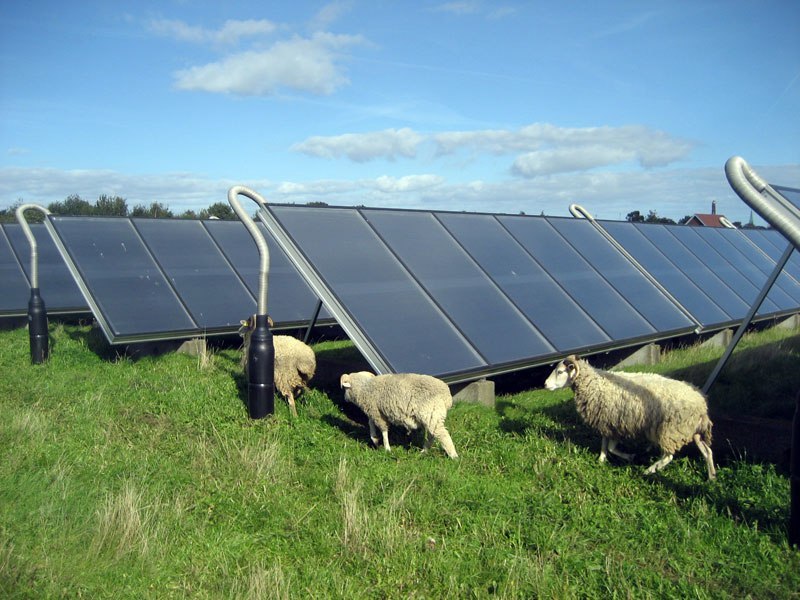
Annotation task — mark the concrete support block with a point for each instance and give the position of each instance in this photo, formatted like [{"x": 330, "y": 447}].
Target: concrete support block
[
  {"x": 791, "y": 322},
  {"x": 193, "y": 347},
  {"x": 650, "y": 354},
  {"x": 721, "y": 339},
  {"x": 478, "y": 392}
]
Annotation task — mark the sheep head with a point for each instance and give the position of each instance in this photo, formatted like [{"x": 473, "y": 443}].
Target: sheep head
[
  {"x": 347, "y": 380},
  {"x": 564, "y": 374}
]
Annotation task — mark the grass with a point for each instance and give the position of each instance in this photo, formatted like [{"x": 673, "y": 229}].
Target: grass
[{"x": 146, "y": 479}]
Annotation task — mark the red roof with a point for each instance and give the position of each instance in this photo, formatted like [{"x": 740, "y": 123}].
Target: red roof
[{"x": 700, "y": 220}]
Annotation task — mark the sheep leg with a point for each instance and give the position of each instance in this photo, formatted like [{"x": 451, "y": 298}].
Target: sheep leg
[
  {"x": 441, "y": 434},
  {"x": 659, "y": 464},
  {"x": 705, "y": 450},
  {"x": 385, "y": 433},
  {"x": 612, "y": 448},
  {"x": 372, "y": 433},
  {"x": 290, "y": 400},
  {"x": 603, "y": 449}
]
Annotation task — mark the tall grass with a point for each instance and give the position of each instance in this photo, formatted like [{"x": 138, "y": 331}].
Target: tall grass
[{"x": 145, "y": 479}]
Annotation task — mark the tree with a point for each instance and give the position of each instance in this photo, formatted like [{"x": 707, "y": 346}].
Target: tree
[
  {"x": 73, "y": 205},
  {"x": 652, "y": 217},
  {"x": 634, "y": 217},
  {"x": 317, "y": 203},
  {"x": 156, "y": 210},
  {"x": 108, "y": 206},
  {"x": 220, "y": 210}
]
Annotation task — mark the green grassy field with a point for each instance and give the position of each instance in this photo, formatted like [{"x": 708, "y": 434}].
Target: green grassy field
[{"x": 146, "y": 479}]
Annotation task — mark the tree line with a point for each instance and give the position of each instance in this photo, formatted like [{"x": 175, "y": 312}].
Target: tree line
[{"x": 114, "y": 206}]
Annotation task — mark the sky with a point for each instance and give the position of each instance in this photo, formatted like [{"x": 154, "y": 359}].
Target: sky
[{"x": 479, "y": 106}]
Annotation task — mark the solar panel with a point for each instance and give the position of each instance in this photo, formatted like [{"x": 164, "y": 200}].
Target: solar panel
[
  {"x": 159, "y": 279},
  {"x": 682, "y": 287},
  {"x": 791, "y": 194},
  {"x": 58, "y": 290},
  {"x": 558, "y": 316},
  {"x": 461, "y": 295}
]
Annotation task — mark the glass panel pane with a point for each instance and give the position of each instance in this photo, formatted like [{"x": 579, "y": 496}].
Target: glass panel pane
[
  {"x": 620, "y": 273},
  {"x": 205, "y": 281},
  {"x": 691, "y": 297},
  {"x": 773, "y": 244},
  {"x": 694, "y": 268},
  {"x": 565, "y": 324},
  {"x": 128, "y": 287},
  {"x": 16, "y": 288},
  {"x": 791, "y": 194},
  {"x": 721, "y": 267},
  {"x": 289, "y": 299},
  {"x": 605, "y": 305},
  {"x": 494, "y": 326},
  {"x": 391, "y": 309},
  {"x": 752, "y": 263},
  {"x": 58, "y": 289}
]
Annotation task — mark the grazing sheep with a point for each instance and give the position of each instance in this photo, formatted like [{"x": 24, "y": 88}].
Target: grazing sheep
[
  {"x": 295, "y": 362},
  {"x": 405, "y": 399},
  {"x": 667, "y": 412}
]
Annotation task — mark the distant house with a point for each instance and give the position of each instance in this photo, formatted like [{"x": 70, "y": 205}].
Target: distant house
[{"x": 706, "y": 220}]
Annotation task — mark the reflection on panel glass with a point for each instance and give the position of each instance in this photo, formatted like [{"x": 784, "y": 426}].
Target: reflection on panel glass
[
  {"x": 406, "y": 327},
  {"x": 752, "y": 263},
  {"x": 620, "y": 273},
  {"x": 565, "y": 324},
  {"x": 126, "y": 283},
  {"x": 494, "y": 326},
  {"x": 57, "y": 286},
  {"x": 691, "y": 296},
  {"x": 289, "y": 299},
  {"x": 773, "y": 244},
  {"x": 694, "y": 268},
  {"x": 605, "y": 305},
  {"x": 720, "y": 266},
  {"x": 203, "y": 279},
  {"x": 791, "y": 194},
  {"x": 16, "y": 288}
]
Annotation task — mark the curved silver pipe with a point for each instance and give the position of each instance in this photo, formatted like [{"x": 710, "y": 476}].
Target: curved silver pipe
[
  {"x": 20, "y": 212},
  {"x": 726, "y": 223},
  {"x": 263, "y": 249},
  {"x": 577, "y": 211},
  {"x": 759, "y": 195}
]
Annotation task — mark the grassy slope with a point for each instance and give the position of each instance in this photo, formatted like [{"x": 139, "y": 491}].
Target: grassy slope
[{"x": 146, "y": 479}]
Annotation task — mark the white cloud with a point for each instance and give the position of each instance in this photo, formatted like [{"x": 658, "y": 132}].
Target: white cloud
[
  {"x": 328, "y": 14},
  {"x": 409, "y": 183},
  {"x": 303, "y": 64},
  {"x": 230, "y": 32},
  {"x": 361, "y": 147}
]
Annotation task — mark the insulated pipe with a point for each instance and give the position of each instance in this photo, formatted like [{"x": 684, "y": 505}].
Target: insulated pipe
[
  {"x": 779, "y": 213},
  {"x": 37, "y": 312},
  {"x": 261, "y": 353}
]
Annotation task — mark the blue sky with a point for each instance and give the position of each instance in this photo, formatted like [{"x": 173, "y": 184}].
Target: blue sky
[{"x": 472, "y": 105}]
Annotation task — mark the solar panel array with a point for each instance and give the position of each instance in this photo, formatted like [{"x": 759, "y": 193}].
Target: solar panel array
[
  {"x": 158, "y": 279},
  {"x": 57, "y": 287},
  {"x": 461, "y": 295}
]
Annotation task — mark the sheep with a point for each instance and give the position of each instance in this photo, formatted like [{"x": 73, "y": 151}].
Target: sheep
[
  {"x": 666, "y": 412},
  {"x": 295, "y": 362},
  {"x": 406, "y": 399}
]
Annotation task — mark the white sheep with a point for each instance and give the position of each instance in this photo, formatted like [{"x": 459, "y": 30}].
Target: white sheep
[
  {"x": 406, "y": 399},
  {"x": 666, "y": 412},
  {"x": 295, "y": 362}
]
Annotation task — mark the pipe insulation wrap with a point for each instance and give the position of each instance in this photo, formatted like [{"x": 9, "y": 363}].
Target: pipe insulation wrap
[
  {"x": 752, "y": 189},
  {"x": 263, "y": 249},
  {"x": 20, "y": 213}
]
